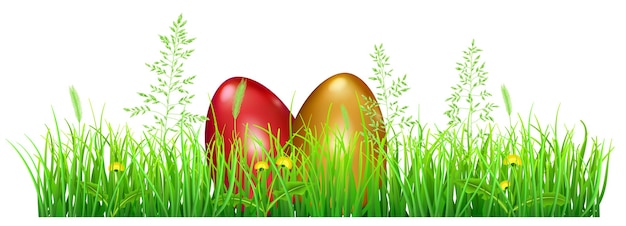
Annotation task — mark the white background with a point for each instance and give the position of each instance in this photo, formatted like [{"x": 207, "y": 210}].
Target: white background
[{"x": 547, "y": 53}]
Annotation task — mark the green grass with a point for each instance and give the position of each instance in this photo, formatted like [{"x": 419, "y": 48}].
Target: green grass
[
  {"x": 427, "y": 174},
  {"x": 93, "y": 169}
]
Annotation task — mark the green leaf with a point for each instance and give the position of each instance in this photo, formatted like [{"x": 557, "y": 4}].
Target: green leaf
[
  {"x": 130, "y": 197},
  {"x": 97, "y": 191},
  {"x": 476, "y": 185},
  {"x": 547, "y": 199},
  {"x": 234, "y": 200},
  {"x": 293, "y": 188}
]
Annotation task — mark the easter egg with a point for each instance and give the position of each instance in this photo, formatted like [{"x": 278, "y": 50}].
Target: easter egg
[
  {"x": 333, "y": 118},
  {"x": 262, "y": 121}
]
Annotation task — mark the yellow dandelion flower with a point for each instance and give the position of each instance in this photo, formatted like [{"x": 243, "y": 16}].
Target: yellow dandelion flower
[
  {"x": 116, "y": 166},
  {"x": 260, "y": 166},
  {"x": 513, "y": 160},
  {"x": 504, "y": 184},
  {"x": 284, "y": 162}
]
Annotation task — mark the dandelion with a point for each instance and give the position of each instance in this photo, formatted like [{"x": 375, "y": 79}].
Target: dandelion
[
  {"x": 260, "y": 166},
  {"x": 504, "y": 185},
  {"x": 116, "y": 166},
  {"x": 513, "y": 160},
  {"x": 284, "y": 162}
]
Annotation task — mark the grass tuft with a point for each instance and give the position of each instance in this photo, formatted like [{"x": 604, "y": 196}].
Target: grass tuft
[
  {"x": 433, "y": 174},
  {"x": 529, "y": 170}
]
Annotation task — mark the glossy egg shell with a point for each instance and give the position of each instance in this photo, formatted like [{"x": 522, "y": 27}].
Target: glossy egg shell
[
  {"x": 324, "y": 106},
  {"x": 259, "y": 107}
]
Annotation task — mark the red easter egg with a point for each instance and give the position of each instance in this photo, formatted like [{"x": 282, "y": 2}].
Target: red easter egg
[{"x": 260, "y": 111}]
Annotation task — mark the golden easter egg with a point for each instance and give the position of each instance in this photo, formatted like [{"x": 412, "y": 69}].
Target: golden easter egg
[{"x": 333, "y": 123}]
